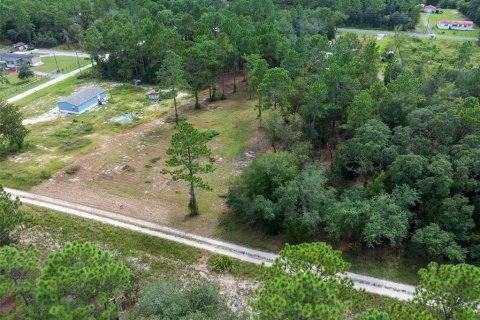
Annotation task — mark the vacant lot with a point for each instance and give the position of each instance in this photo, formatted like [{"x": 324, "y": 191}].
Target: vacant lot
[
  {"x": 54, "y": 144},
  {"x": 125, "y": 171}
]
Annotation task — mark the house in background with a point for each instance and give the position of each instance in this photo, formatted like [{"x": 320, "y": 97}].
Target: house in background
[
  {"x": 19, "y": 46},
  {"x": 455, "y": 25},
  {"x": 431, "y": 9},
  {"x": 13, "y": 60},
  {"x": 83, "y": 100}
]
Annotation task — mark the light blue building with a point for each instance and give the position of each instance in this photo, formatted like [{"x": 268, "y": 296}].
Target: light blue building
[{"x": 83, "y": 100}]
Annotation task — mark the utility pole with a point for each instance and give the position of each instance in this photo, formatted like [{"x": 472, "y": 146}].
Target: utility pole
[
  {"x": 78, "y": 61},
  {"x": 55, "y": 57}
]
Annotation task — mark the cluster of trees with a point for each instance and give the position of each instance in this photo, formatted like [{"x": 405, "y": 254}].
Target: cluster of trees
[
  {"x": 308, "y": 281},
  {"x": 12, "y": 131},
  {"x": 368, "y": 13},
  {"x": 408, "y": 146},
  {"x": 47, "y": 23}
]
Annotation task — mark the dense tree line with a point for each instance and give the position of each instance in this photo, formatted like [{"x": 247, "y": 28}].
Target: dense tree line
[{"x": 407, "y": 147}]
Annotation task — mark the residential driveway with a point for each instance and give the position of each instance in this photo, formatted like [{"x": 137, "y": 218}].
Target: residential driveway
[{"x": 47, "y": 84}]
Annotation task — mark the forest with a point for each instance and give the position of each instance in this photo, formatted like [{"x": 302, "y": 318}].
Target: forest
[
  {"x": 49, "y": 23},
  {"x": 370, "y": 146}
]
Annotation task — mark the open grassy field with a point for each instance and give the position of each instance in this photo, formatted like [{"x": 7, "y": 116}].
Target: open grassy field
[
  {"x": 54, "y": 144},
  {"x": 65, "y": 64},
  {"x": 448, "y": 14},
  {"x": 17, "y": 86}
]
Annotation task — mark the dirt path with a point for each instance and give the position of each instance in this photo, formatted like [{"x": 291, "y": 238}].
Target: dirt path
[{"x": 370, "y": 284}]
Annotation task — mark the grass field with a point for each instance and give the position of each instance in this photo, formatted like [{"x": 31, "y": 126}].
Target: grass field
[
  {"x": 17, "y": 86},
  {"x": 65, "y": 64},
  {"x": 448, "y": 14},
  {"x": 54, "y": 144}
]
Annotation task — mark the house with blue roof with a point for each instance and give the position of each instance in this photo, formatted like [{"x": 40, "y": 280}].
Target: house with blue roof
[{"x": 83, "y": 100}]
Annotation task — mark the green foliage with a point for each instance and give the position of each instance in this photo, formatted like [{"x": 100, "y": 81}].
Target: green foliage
[
  {"x": 80, "y": 281},
  {"x": 254, "y": 193},
  {"x": 302, "y": 284},
  {"x": 210, "y": 134},
  {"x": 221, "y": 264},
  {"x": 450, "y": 291},
  {"x": 24, "y": 71},
  {"x": 433, "y": 243},
  {"x": 12, "y": 131},
  {"x": 317, "y": 257},
  {"x": 188, "y": 147},
  {"x": 10, "y": 216},
  {"x": 302, "y": 296},
  {"x": 275, "y": 87},
  {"x": 73, "y": 170},
  {"x": 20, "y": 270},
  {"x": 155, "y": 160},
  {"x": 168, "y": 299},
  {"x": 171, "y": 76}
]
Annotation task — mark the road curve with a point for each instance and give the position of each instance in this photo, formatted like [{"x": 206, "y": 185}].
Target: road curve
[
  {"x": 369, "y": 284},
  {"x": 47, "y": 84}
]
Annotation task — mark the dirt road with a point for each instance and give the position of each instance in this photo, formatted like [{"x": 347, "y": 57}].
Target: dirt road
[{"x": 369, "y": 284}]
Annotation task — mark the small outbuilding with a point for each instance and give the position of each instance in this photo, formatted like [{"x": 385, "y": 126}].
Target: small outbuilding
[
  {"x": 83, "y": 100},
  {"x": 153, "y": 95},
  {"x": 20, "y": 46},
  {"x": 431, "y": 9}
]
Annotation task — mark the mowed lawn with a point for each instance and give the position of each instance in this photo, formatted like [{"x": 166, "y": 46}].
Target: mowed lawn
[
  {"x": 451, "y": 14},
  {"x": 65, "y": 64},
  {"x": 17, "y": 86}
]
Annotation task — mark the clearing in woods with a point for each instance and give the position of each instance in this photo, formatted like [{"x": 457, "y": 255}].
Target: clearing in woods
[{"x": 123, "y": 174}]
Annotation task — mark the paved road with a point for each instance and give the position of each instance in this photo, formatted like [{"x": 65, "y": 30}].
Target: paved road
[
  {"x": 47, "y": 84},
  {"x": 413, "y": 34},
  {"x": 369, "y": 284},
  {"x": 49, "y": 52}
]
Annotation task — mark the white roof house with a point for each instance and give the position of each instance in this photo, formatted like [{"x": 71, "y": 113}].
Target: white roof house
[{"x": 455, "y": 25}]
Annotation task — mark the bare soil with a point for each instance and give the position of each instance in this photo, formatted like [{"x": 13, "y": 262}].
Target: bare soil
[{"x": 121, "y": 175}]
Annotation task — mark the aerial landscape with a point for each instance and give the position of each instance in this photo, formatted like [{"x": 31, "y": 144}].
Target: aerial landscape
[{"x": 240, "y": 159}]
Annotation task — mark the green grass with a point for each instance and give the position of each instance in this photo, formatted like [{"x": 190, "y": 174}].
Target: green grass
[
  {"x": 46, "y": 151},
  {"x": 17, "y": 86},
  {"x": 149, "y": 258},
  {"x": 65, "y": 64},
  {"x": 449, "y": 14},
  {"x": 162, "y": 258}
]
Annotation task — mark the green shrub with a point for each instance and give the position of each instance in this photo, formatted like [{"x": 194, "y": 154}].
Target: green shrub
[
  {"x": 169, "y": 299},
  {"x": 221, "y": 264},
  {"x": 210, "y": 134},
  {"x": 44, "y": 175},
  {"x": 155, "y": 160},
  {"x": 64, "y": 132},
  {"x": 72, "y": 170}
]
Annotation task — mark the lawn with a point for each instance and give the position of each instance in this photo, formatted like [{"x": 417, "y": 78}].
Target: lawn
[
  {"x": 449, "y": 14},
  {"x": 17, "y": 86},
  {"x": 65, "y": 64},
  {"x": 54, "y": 144}
]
